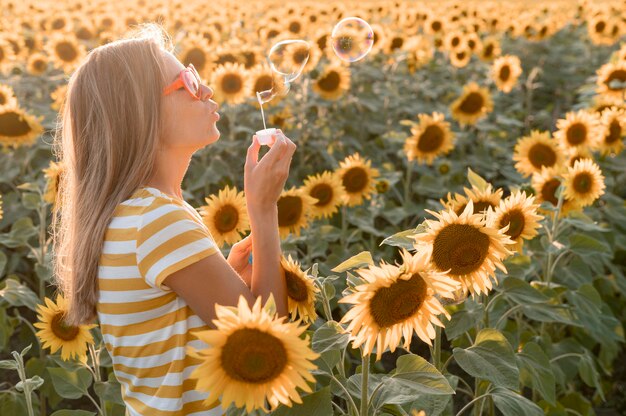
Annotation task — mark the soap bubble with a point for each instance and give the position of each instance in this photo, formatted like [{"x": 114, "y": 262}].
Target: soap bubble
[
  {"x": 287, "y": 60},
  {"x": 352, "y": 38}
]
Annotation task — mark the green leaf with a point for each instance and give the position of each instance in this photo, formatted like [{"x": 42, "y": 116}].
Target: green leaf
[
  {"x": 535, "y": 371},
  {"x": 476, "y": 180},
  {"x": 329, "y": 336},
  {"x": 513, "y": 404},
  {"x": 66, "y": 412},
  {"x": 589, "y": 374},
  {"x": 464, "y": 319},
  {"x": 3, "y": 262},
  {"x": 585, "y": 245},
  {"x": 71, "y": 385},
  {"x": 18, "y": 294},
  {"x": 31, "y": 201},
  {"x": 109, "y": 390},
  {"x": 29, "y": 186},
  {"x": 314, "y": 404},
  {"x": 401, "y": 239},
  {"x": 21, "y": 231},
  {"x": 521, "y": 292},
  {"x": 434, "y": 405},
  {"x": 364, "y": 258},
  {"x": 490, "y": 358},
  {"x": 31, "y": 383},
  {"x": 8, "y": 365},
  {"x": 329, "y": 289},
  {"x": 550, "y": 313}
]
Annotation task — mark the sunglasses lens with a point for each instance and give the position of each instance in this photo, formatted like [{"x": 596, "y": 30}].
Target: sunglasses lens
[{"x": 190, "y": 82}]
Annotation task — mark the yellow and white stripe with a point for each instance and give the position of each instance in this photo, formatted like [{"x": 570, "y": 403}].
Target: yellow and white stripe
[{"x": 145, "y": 325}]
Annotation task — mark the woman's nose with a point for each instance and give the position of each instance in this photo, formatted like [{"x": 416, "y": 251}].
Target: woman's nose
[{"x": 207, "y": 93}]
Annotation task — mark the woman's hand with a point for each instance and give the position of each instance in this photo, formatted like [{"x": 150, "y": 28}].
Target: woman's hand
[
  {"x": 238, "y": 259},
  {"x": 264, "y": 180}
]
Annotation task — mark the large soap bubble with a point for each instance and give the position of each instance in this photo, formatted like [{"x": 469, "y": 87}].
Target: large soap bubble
[{"x": 352, "y": 38}]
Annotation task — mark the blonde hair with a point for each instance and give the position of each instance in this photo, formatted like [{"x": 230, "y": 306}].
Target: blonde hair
[{"x": 107, "y": 136}]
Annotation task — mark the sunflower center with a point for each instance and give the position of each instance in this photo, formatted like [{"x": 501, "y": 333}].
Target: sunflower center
[
  {"x": 355, "y": 180},
  {"x": 541, "y": 155},
  {"x": 39, "y": 65},
  {"x": 13, "y": 125},
  {"x": 582, "y": 182},
  {"x": 505, "y": 73},
  {"x": 488, "y": 51},
  {"x": 615, "y": 132},
  {"x": 263, "y": 83},
  {"x": 455, "y": 41},
  {"x": 289, "y": 210},
  {"x": 431, "y": 139},
  {"x": 548, "y": 191},
  {"x": 515, "y": 220},
  {"x": 232, "y": 83},
  {"x": 226, "y": 218},
  {"x": 253, "y": 356},
  {"x": 396, "y": 43},
  {"x": 330, "y": 81},
  {"x": 300, "y": 55},
  {"x": 600, "y": 26},
  {"x": 196, "y": 57},
  {"x": 3, "y": 99},
  {"x": 296, "y": 288},
  {"x": 398, "y": 302},
  {"x": 462, "y": 248},
  {"x": 617, "y": 75},
  {"x": 473, "y": 103},
  {"x": 576, "y": 134},
  {"x": 323, "y": 193},
  {"x": 66, "y": 51},
  {"x": 295, "y": 27},
  {"x": 58, "y": 24},
  {"x": 62, "y": 331},
  {"x": 226, "y": 58}
]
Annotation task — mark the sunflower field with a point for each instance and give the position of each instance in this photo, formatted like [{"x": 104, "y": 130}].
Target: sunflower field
[{"x": 453, "y": 227}]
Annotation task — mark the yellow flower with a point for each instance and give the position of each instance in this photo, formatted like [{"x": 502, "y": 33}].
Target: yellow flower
[
  {"x": 301, "y": 291},
  {"x": 7, "y": 56},
  {"x": 584, "y": 182},
  {"x": 54, "y": 333},
  {"x": 505, "y": 72},
  {"x": 37, "y": 63},
  {"x": 535, "y": 151},
  {"x": 7, "y": 96},
  {"x": 545, "y": 185},
  {"x": 18, "y": 128},
  {"x": 230, "y": 82},
  {"x": 473, "y": 104},
  {"x": 611, "y": 73},
  {"x": 481, "y": 199},
  {"x": 614, "y": 123},
  {"x": 195, "y": 52},
  {"x": 519, "y": 212},
  {"x": 65, "y": 50},
  {"x": 460, "y": 57},
  {"x": 58, "y": 96},
  {"x": 431, "y": 137},
  {"x": 253, "y": 356},
  {"x": 468, "y": 246},
  {"x": 394, "y": 302},
  {"x": 262, "y": 78},
  {"x": 293, "y": 211},
  {"x": 490, "y": 49},
  {"x": 53, "y": 175},
  {"x": 358, "y": 179},
  {"x": 226, "y": 216},
  {"x": 579, "y": 129},
  {"x": 327, "y": 189},
  {"x": 332, "y": 82}
]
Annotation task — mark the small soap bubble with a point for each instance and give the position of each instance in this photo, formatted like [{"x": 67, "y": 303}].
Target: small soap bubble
[
  {"x": 352, "y": 38},
  {"x": 289, "y": 57}
]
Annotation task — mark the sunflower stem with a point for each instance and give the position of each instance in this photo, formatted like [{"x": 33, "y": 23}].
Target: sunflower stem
[
  {"x": 365, "y": 370},
  {"x": 437, "y": 348},
  {"x": 407, "y": 188},
  {"x": 344, "y": 226}
]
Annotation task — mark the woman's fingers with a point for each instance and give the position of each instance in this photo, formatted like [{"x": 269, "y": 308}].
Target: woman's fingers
[{"x": 253, "y": 153}]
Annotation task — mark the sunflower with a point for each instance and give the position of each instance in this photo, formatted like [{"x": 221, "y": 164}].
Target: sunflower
[
  {"x": 577, "y": 154},
  {"x": 490, "y": 49},
  {"x": 358, "y": 179},
  {"x": 226, "y": 216},
  {"x": 545, "y": 185},
  {"x": 453, "y": 40},
  {"x": 293, "y": 211},
  {"x": 195, "y": 52},
  {"x": 614, "y": 122},
  {"x": 536, "y": 151},
  {"x": 7, "y": 96},
  {"x": 482, "y": 199},
  {"x": 66, "y": 51},
  {"x": 301, "y": 291},
  {"x": 262, "y": 78},
  {"x": 469, "y": 246},
  {"x": 37, "y": 64},
  {"x": 54, "y": 333},
  {"x": 584, "y": 182},
  {"x": 579, "y": 129},
  {"x": 519, "y": 212},
  {"x": 604, "y": 102},
  {"x": 17, "y": 128},
  {"x": 435, "y": 24},
  {"x": 327, "y": 190},
  {"x": 282, "y": 119},
  {"x": 333, "y": 82},
  {"x": 7, "y": 56},
  {"x": 431, "y": 138},
  {"x": 420, "y": 52},
  {"x": 58, "y": 96},
  {"x": 53, "y": 174},
  {"x": 505, "y": 72},
  {"x": 253, "y": 356},
  {"x": 395, "y": 301},
  {"x": 609, "y": 76},
  {"x": 380, "y": 38},
  {"x": 459, "y": 58},
  {"x": 230, "y": 82},
  {"x": 473, "y": 104}
]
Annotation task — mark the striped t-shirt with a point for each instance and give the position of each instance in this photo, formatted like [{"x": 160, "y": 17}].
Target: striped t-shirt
[{"x": 145, "y": 324}]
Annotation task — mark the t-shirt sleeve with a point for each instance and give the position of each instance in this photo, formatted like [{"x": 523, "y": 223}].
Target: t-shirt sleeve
[{"x": 169, "y": 238}]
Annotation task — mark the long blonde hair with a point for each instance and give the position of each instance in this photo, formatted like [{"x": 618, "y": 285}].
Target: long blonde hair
[{"x": 107, "y": 138}]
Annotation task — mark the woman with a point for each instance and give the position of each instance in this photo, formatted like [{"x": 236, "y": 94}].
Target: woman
[{"x": 129, "y": 250}]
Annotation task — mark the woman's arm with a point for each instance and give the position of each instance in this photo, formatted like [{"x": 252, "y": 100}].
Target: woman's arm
[{"x": 267, "y": 274}]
